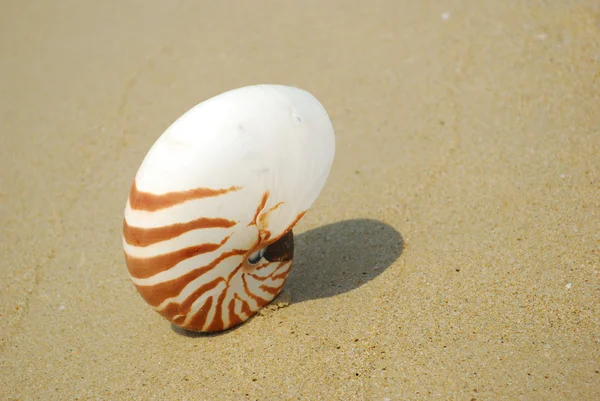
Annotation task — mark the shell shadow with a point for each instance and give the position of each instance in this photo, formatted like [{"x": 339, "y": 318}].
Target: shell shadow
[
  {"x": 340, "y": 257},
  {"x": 334, "y": 259}
]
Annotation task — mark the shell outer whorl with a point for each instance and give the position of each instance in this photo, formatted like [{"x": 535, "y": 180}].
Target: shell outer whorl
[
  {"x": 207, "y": 230},
  {"x": 216, "y": 295}
]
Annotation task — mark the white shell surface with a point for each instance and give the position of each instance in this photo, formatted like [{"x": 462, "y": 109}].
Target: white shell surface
[{"x": 229, "y": 177}]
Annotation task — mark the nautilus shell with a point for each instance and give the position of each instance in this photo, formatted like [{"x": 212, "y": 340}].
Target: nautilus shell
[{"x": 207, "y": 232}]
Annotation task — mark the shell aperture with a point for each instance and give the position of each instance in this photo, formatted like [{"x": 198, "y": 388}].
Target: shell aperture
[{"x": 207, "y": 229}]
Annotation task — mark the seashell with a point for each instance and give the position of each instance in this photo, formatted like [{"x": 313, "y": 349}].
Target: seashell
[{"x": 207, "y": 229}]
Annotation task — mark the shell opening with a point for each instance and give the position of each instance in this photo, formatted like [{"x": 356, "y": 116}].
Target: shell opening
[{"x": 256, "y": 256}]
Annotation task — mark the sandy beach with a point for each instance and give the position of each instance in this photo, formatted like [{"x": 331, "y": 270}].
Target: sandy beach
[{"x": 454, "y": 253}]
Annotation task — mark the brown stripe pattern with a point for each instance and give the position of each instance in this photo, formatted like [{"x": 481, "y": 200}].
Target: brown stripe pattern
[
  {"x": 209, "y": 286},
  {"x": 140, "y": 200},
  {"x": 147, "y": 236}
]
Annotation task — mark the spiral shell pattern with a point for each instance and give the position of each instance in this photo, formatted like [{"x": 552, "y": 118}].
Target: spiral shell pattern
[
  {"x": 203, "y": 298},
  {"x": 207, "y": 232}
]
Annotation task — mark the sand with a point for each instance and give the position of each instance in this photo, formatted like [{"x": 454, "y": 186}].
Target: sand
[{"x": 454, "y": 253}]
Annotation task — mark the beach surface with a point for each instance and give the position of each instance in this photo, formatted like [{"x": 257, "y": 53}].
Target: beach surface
[{"x": 454, "y": 253}]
